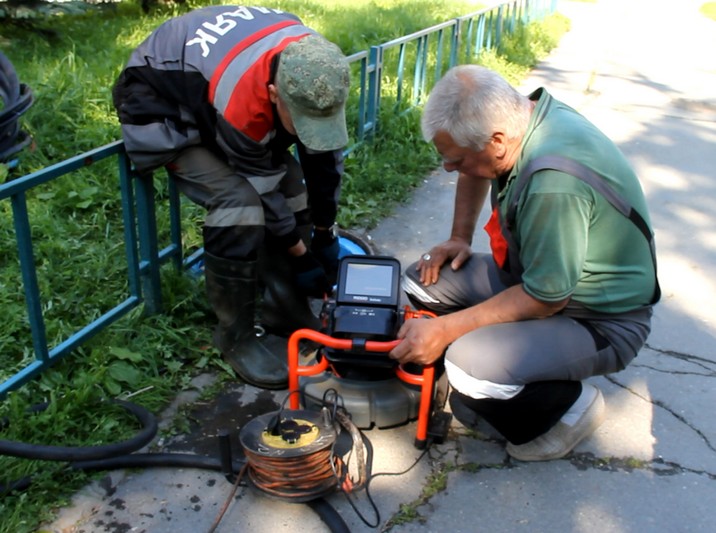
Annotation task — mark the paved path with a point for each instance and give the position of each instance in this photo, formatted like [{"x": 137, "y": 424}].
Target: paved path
[{"x": 645, "y": 72}]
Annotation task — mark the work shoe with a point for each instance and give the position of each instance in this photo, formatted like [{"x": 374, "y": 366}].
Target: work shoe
[{"x": 580, "y": 421}]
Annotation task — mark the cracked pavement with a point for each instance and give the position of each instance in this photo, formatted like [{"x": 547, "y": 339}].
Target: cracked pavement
[{"x": 644, "y": 72}]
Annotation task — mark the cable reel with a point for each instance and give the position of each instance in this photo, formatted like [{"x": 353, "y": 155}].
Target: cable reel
[{"x": 290, "y": 454}]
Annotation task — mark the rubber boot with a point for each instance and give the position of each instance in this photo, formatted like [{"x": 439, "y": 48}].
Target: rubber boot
[
  {"x": 231, "y": 289},
  {"x": 283, "y": 309}
]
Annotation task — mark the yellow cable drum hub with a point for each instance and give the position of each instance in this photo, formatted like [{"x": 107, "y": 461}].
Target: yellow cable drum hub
[
  {"x": 288, "y": 433},
  {"x": 292, "y": 433}
]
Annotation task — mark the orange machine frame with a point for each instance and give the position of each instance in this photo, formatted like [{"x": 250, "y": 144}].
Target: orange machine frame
[{"x": 426, "y": 380}]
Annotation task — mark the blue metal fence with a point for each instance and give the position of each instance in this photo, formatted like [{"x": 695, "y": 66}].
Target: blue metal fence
[{"x": 415, "y": 61}]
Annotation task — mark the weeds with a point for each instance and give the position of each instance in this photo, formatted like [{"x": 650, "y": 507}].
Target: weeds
[{"x": 409, "y": 512}]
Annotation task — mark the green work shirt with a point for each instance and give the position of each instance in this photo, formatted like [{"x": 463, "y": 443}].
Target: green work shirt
[{"x": 572, "y": 242}]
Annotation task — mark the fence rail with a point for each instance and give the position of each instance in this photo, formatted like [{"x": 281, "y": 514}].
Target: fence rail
[{"x": 416, "y": 61}]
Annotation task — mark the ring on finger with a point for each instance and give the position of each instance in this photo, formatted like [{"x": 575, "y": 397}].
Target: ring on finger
[{"x": 426, "y": 257}]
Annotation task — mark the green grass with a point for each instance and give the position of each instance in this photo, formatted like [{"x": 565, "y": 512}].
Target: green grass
[{"x": 77, "y": 227}]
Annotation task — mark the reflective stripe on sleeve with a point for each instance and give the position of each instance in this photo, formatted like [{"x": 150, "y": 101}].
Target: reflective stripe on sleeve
[
  {"x": 297, "y": 203},
  {"x": 235, "y": 216}
]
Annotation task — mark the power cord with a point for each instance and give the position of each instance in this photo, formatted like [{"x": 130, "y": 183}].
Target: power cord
[{"x": 364, "y": 459}]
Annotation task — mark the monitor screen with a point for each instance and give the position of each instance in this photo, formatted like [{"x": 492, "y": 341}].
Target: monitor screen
[{"x": 369, "y": 280}]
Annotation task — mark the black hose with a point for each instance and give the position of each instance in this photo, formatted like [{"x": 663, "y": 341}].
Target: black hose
[
  {"x": 329, "y": 515},
  {"x": 87, "y": 453},
  {"x": 17, "y": 485},
  {"x": 144, "y": 460}
]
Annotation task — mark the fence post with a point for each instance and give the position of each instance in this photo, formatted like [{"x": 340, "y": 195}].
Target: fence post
[
  {"x": 29, "y": 277},
  {"x": 455, "y": 42},
  {"x": 375, "y": 71},
  {"x": 177, "y": 251},
  {"x": 498, "y": 27},
  {"x": 130, "y": 225},
  {"x": 148, "y": 248},
  {"x": 421, "y": 65}
]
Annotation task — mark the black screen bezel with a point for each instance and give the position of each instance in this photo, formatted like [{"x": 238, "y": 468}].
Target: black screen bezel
[{"x": 343, "y": 297}]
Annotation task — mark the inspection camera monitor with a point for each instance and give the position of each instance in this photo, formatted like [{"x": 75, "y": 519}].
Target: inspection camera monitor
[{"x": 367, "y": 299}]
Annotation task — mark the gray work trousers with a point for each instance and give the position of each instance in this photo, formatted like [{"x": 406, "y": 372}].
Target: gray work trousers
[
  {"x": 234, "y": 226},
  {"x": 498, "y": 361}
]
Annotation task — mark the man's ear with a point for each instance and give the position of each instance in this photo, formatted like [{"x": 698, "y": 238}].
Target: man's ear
[
  {"x": 499, "y": 143},
  {"x": 273, "y": 93}
]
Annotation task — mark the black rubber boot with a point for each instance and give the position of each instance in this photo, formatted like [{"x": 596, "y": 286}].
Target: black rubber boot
[
  {"x": 283, "y": 309},
  {"x": 231, "y": 289}
]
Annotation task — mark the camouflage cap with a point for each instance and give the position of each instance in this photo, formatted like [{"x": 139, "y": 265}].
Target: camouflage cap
[{"x": 313, "y": 79}]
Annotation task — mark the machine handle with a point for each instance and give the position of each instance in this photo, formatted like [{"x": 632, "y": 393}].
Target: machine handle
[
  {"x": 294, "y": 370},
  {"x": 425, "y": 381},
  {"x": 337, "y": 344}
]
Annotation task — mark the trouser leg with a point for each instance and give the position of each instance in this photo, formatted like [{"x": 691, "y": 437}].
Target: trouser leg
[
  {"x": 528, "y": 372},
  {"x": 233, "y": 233},
  {"x": 535, "y": 409},
  {"x": 476, "y": 281},
  {"x": 234, "y": 225}
]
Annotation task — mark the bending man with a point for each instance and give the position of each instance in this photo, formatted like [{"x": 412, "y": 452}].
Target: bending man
[{"x": 218, "y": 96}]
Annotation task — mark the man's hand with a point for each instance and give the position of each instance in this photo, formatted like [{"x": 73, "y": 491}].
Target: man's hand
[
  {"x": 454, "y": 250},
  {"x": 325, "y": 248},
  {"x": 310, "y": 277},
  {"x": 422, "y": 342}
]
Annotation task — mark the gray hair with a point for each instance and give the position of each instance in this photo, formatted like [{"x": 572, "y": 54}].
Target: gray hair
[{"x": 470, "y": 103}]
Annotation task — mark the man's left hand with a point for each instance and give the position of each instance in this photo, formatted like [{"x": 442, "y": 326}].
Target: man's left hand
[{"x": 453, "y": 250}]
